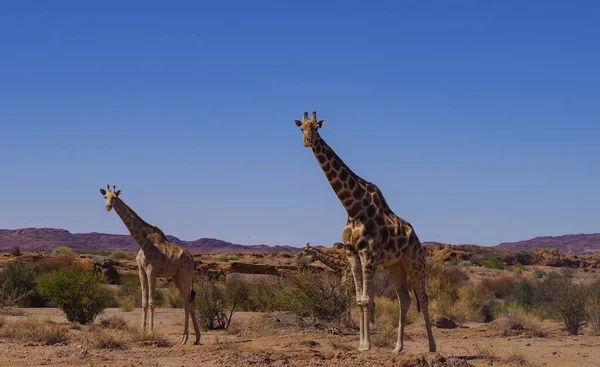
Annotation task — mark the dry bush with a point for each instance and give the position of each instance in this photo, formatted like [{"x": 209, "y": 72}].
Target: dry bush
[
  {"x": 111, "y": 341},
  {"x": 443, "y": 283},
  {"x": 323, "y": 298},
  {"x": 569, "y": 303},
  {"x": 387, "y": 317},
  {"x": 210, "y": 305},
  {"x": 114, "y": 322},
  {"x": 516, "y": 320},
  {"x": 500, "y": 287},
  {"x": 592, "y": 308},
  {"x": 515, "y": 359},
  {"x": 30, "y": 330},
  {"x": 154, "y": 339},
  {"x": 174, "y": 299},
  {"x": 17, "y": 286},
  {"x": 126, "y": 303},
  {"x": 55, "y": 263},
  {"x": 271, "y": 294},
  {"x": 2, "y": 322}
]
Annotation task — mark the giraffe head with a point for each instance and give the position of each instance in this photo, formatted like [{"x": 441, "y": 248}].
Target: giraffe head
[
  {"x": 309, "y": 127},
  {"x": 110, "y": 196},
  {"x": 307, "y": 250}
]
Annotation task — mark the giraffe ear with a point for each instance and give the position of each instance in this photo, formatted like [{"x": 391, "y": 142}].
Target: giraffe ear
[
  {"x": 103, "y": 192},
  {"x": 298, "y": 123},
  {"x": 118, "y": 192},
  {"x": 320, "y": 124}
]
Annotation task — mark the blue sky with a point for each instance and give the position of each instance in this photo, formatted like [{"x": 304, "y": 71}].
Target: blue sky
[{"x": 479, "y": 121}]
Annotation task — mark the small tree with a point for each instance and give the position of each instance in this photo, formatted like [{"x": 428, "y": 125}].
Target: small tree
[
  {"x": 210, "y": 304},
  {"x": 15, "y": 251},
  {"x": 569, "y": 303},
  {"x": 80, "y": 295},
  {"x": 17, "y": 286}
]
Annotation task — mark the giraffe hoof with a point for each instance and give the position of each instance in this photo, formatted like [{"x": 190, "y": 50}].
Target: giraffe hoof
[{"x": 398, "y": 349}]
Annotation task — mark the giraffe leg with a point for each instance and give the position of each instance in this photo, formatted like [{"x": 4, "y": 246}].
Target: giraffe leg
[
  {"x": 368, "y": 270},
  {"x": 184, "y": 291},
  {"x": 419, "y": 284},
  {"x": 192, "y": 298},
  {"x": 152, "y": 297},
  {"x": 144, "y": 284},
  {"x": 355, "y": 268},
  {"x": 399, "y": 280}
]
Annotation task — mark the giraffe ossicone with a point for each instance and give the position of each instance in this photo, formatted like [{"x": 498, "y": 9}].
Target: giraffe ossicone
[
  {"x": 374, "y": 236},
  {"x": 157, "y": 258}
]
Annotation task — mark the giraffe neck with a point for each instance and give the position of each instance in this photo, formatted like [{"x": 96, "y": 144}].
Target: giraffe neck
[
  {"x": 330, "y": 261},
  {"x": 347, "y": 185},
  {"x": 139, "y": 229}
]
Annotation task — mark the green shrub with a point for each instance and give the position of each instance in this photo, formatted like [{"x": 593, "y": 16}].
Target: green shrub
[
  {"x": 80, "y": 295},
  {"x": 17, "y": 286},
  {"x": 465, "y": 264},
  {"x": 15, "y": 251},
  {"x": 63, "y": 250},
  {"x": 120, "y": 255},
  {"x": 129, "y": 295},
  {"x": 493, "y": 263},
  {"x": 227, "y": 257}
]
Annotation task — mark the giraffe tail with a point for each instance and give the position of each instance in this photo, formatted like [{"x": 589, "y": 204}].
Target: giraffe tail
[
  {"x": 193, "y": 292},
  {"x": 417, "y": 298}
]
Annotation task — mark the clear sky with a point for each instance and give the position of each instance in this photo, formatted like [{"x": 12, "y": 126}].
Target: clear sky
[{"x": 479, "y": 121}]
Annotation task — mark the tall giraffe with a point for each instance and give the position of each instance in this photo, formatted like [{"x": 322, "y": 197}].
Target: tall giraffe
[
  {"x": 340, "y": 267},
  {"x": 157, "y": 258},
  {"x": 373, "y": 236}
]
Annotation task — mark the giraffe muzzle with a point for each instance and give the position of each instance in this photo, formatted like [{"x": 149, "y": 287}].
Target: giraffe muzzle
[
  {"x": 307, "y": 142},
  {"x": 108, "y": 208}
]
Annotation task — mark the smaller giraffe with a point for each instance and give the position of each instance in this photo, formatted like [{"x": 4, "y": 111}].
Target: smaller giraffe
[
  {"x": 339, "y": 266},
  {"x": 157, "y": 258}
]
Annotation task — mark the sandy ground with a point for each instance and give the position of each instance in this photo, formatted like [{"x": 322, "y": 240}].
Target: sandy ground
[{"x": 268, "y": 345}]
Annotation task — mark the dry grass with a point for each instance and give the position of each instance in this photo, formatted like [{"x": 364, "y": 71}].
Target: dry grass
[
  {"x": 387, "y": 317},
  {"x": 126, "y": 303},
  {"x": 30, "y": 330},
  {"x": 111, "y": 341},
  {"x": 114, "y": 322},
  {"x": 149, "y": 340},
  {"x": 592, "y": 308},
  {"x": 514, "y": 359},
  {"x": 518, "y": 321},
  {"x": 500, "y": 287}
]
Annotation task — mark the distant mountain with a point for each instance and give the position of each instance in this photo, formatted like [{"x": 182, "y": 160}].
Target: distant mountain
[
  {"x": 47, "y": 239},
  {"x": 574, "y": 244}
]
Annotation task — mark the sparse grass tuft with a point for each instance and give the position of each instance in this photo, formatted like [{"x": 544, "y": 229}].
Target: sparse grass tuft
[
  {"x": 517, "y": 320},
  {"x": 153, "y": 340},
  {"x": 114, "y": 322},
  {"x": 63, "y": 250},
  {"x": 111, "y": 341},
  {"x": 31, "y": 330}
]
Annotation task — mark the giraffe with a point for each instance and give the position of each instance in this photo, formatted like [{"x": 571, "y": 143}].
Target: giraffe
[
  {"x": 157, "y": 258},
  {"x": 340, "y": 267},
  {"x": 373, "y": 236}
]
